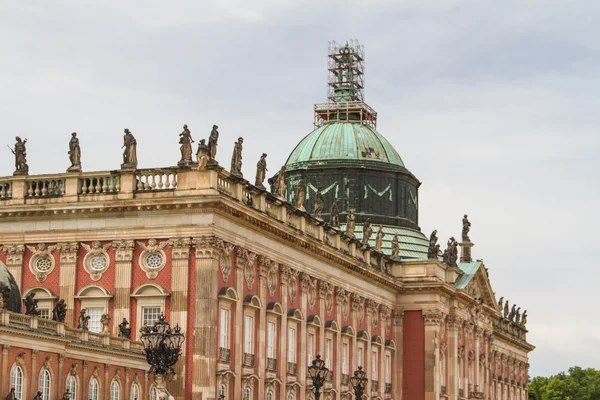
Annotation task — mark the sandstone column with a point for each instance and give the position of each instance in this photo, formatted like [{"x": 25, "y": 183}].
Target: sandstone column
[
  {"x": 68, "y": 270},
  {"x": 478, "y": 383},
  {"x": 453, "y": 325},
  {"x": 433, "y": 319},
  {"x": 4, "y": 376},
  {"x": 34, "y": 377},
  {"x": 285, "y": 273},
  {"x": 264, "y": 268},
  {"x": 398, "y": 316},
  {"x": 122, "y": 304},
  {"x": 179, "y": 297},
  {"x": 14, "y": 261}
]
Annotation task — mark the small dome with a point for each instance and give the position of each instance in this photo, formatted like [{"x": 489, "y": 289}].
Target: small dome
[
  {"x": 347, "y": 142},
  {"x": 7, "y": 280}
]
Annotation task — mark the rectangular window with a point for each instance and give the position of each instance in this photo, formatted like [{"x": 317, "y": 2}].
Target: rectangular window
[
  {"x": 359, "y": 355},
  {"x": 309, "y": 347},
  {"x": 249, "y": 335},
  {"x": 388, "y": 368},
  {"x": 328, "y": 353},
  {"x": 224, "y": 329},
  {"x": 150, "y": 315},
  {"x": 374, "y": 366},
  {"x": 95, "y": 313},
  {"x": 271, "y": 340},
  {"x": 291, "y": 345},
  {"x": 345, "y": 358},
  {"x": 44, "y": 313}
]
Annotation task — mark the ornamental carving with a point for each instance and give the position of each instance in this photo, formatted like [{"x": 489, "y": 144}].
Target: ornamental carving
[
  {"x": 47, "y": 362},
  {"x": 341, "y": 297},
  {"x": 96, "y": 260},
  {"x": 272, "y": 277},
  {"x": 42, "y": 262},
  {"x": 14, "y": 254},
  {"x": 326, "y": 293},
  {"x": 385, "y": 312},
  {"x": 292, "y": 283},
  {"x": 68, "y": 252},
  {"x": 245, "y": 259},
  {"x": 443, "y": 347},
  {"x": 152, "y": 258},
  {"x": 309, "y": 286},
  {"x": 264, "y": 264},
  {"x": 124, "y": 250},
  {"x": 357, "y": 303},
  {"x": 461, "y": 352},
  {"x": 372, "y": 311},
  {"x": 180, "y": 248},
  {"x": 20, "y": 359},
  {"x": 471, "y": 355},
  {"x": 73, "y": 370},
  {"x": 432, "y": 317},
  {"x": 207, "y": 246},
  {"x": 398, "y": 316},
  {"x": 225, "y": 260},
  {"x": 96, "y": 372},
  {"x": 284, "y": 274},
  {"x": 482, "y": 358}
]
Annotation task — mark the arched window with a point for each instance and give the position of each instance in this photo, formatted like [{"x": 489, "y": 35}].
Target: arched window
[
  {"x": 246, "y": 394},
  {"x": 135, "y": 392},
  {"x": 93, "y": 389},
  {"x": 72, "y": 387},
  {"x": 45, "y": 384},
  {"x": 153, "y": 395},
  {"x": 16, "y": 381},
  {"x": 115, "y": 392},
  {"x": 270, "y": 395}
]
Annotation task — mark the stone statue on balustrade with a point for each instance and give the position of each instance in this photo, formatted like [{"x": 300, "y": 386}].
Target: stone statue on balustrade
[
  {"x": 261, "y": 171},
  {"x": 300, "y": 195},
  {"x": 130, "y": 160},
  {"x": 11, "y": 395},
  {"x": 60, "y": 311},
  {"x": 213, "y": 140},
  {"x": 202, "y": 156},
  {"x": 334, "y": 218},
  {"x": 38, "y": 396},
  {"x": 236, "y": 159},
  {"x": 319, "y": 204},
  {"x": 350, "y": 223},
  {"x": 31, "y": 305},
  {"x": 83, "y": 320},
  {"x": 367, "y": 232},
  {"x": 67, "y": 395},
  {"x": 434, "y": 247},
  {"x": 452, "y": 252},
  {"x": 379, "y": 238},
  {"x": 105, "y": 322},
  {"x": 395, "y": 246},
  {"x": 20, "y": 152},
  {"x": 466, "y": 228},
  {"x": 124, "y": 331},
  {"x": 74, "y": 154},
  {"x": 279, "y": 184},
  {"x": 185, "y": 140}
]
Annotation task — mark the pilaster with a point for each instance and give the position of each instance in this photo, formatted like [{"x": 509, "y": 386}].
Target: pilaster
[
  {"x": 33, "y": 381},
  {"x": 123, "y": 260},
  {"x": 68, "y": 271},
  {"x": 432, "y": 318},
  {"x": 397, "y": 331},
  {"x": 264, "y": 265},
  {"x": 4, "y": 377},
  {"x": 453, "y": 375}
]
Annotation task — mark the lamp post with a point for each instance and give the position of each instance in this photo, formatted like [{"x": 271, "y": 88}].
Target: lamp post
[
  {"x": 162, "y": 347},
  {"x": 359, "y": 382},
  {"x": 317, "y": 372}
]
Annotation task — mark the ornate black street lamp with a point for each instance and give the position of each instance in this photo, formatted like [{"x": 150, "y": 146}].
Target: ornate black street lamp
[
  {"x": 317, "y": 372},
  {"x": 359, "y": 382},
  {"x": 162, "y": 347}
]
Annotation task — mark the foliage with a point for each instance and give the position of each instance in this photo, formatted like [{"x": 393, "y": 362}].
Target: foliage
[{"x": 578, "y": 384}]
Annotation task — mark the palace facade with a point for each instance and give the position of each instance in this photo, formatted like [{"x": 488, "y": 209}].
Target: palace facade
[{"x": 259, "y": 285}]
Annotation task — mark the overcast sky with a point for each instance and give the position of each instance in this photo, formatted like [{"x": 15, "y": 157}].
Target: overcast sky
[{"x": 492, "y": 105}]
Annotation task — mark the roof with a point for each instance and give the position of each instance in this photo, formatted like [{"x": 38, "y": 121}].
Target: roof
[
  {"x": 469, "y": 270},
  {"x": 7, "y": 280},
  {"x": 344, "y": 141},
  {"x": 413, "y": 244}
]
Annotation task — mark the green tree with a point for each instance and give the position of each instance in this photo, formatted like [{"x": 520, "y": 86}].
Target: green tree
[{"x": 578, "y": 384}]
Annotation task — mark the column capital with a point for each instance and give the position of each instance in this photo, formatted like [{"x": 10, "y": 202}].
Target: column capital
[
  {"x": 68, "y": 252},
  {"x": 124, "y": 249},
  {"x": 398, "y": 316},
  {"x": 264, "y": 265},
  {"x": 206, "y": 246},
  {"x": 180, "y": 248},
  {"x": 14, "y": 253},
  {"x": 433, "y": 317}
]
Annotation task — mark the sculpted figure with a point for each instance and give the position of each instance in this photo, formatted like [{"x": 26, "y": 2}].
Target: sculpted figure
[
  {"x": 105, "y": 321},
  {"x": 500, "y": 303},
  {"x": 124, "y": 331},
  {"x": 518, "y": 316},
  {"x": 236, "y": 158},
  {"x": 185, "y": 139},
  {"x": 74, "y": 154},
  {"x": 395, "y": 246},
  {"x": 334, "y": 219},
  {"x": 367, "y": 232},
  {"x": 300, "y": 195},
  {"x": 319, "y": 204},
  {"x": 466, "y": 228},
  {"x": 261, "y": 171},
  {"x": 60, "y": 311},
  {"x": 434, "y": 248},
  {"x": 452, "y": 252},
  {"x": 31, "y": 305},
  {"x": 11, "y": 395},
  {"x": 513, "y": 311},
  {"x": 82, "y": 321},
  {"x": 280, "y": 183},
  {"x": 38, "y": 396},
  {"x": 506, "y": 309},
  {"x": 350, "y": 223},
  {"x": 202, "y": 156},
  {"x": 130, "y": 153},
  {"x": 66, "y": 395},
  {"x": 20, "y": 152},
  {"x": 212, "y": 143},
  {"x": 524, "y": 319},
  {"x": 379, "y": 238}
]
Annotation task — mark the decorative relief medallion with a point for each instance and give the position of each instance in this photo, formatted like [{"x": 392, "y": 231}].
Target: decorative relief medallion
[
  {"x": 153, "y": 258},
  {"x": 326, "y": 293},
  {"x": 42, "y": 262}
]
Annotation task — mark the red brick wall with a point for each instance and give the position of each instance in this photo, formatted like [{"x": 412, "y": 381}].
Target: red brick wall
[{"x": 413, "y": 356}]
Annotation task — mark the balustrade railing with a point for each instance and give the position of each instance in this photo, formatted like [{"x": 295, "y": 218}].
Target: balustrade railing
[
  {"x": 224, "y": 185},
  {"x": 19, "y": 320},
  {"x": 149, "y": 180},
  {"x": 40, "y": 188},
  {"x": 101, "y": 184},
  {"x": 95, "y": 338},
  {"x": 5, "y": 190}
]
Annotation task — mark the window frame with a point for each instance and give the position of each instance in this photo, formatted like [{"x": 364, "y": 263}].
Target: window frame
[
  {"x": 19, "y": 386},
  {"x": 224, "y": 326},
  {"x": 138, "y": 389},
  {"x": 271, "y": 342},
  {"x": 91, "y": 394},
  {"x": 44, "y": 383},
  {"x": 115, "y": 384},
  {"x": 73, "y": 393},
  {"x": 292, "y": 342},
  {"x": 249, "y": 333}
]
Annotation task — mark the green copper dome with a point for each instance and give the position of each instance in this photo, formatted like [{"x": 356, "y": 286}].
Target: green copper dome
[
  {"x": 344, "y": 141},
  {"x": 7, "y": 280}
]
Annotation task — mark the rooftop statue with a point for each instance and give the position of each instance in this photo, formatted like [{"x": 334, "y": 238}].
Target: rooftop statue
[
  {"x": 279, "y": 184},
  {"x": 466, "y": 228},
  {"x": 300, "y": 195},
  {"x": 74, "y": 154},
  {"x": 185, "y": 139},
  {"x": 31, "y": 305},
  {"x": 506, "y": 312},
  {"x": 350, "y": 223},
  {"x": 334, "y": 218},
  {"x": 395, "y": 246},
  {"x": 524, "y": 319},
  {"x": 213, "y": 138},
  {"x": 367, "y": 232},
  {"x": 60, "y": 311},
  {"x": 434, "y": 247},
  {"x": 236, "y": 158},
  {"x": 202, "y": 156},
  {"x": 452, "y": 252},
  {"x": 518, "y": 316},
  {"x": 500, "y": 303},
  {"x": 20, "y": 152},
  {"x": 379, "y": 238},
  {"x": 130, "y": 153},
  {"x": 261, "y": 171},
  {"x": 513, "y": 312},
  {"x": 319, "y": 204}
]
